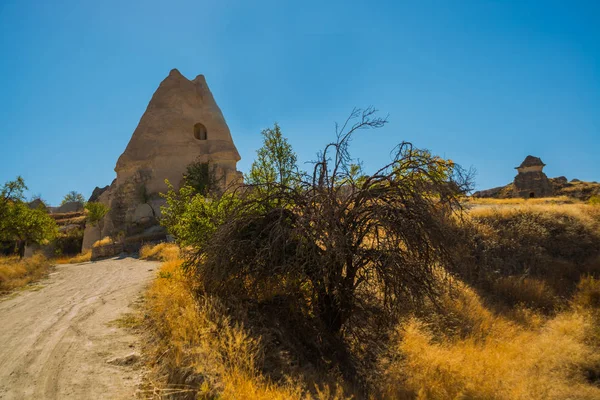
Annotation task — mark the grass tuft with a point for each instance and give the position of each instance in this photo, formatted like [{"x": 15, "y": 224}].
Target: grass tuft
[
  {"x": 103, "y": 242},
  {"x": 160, "y": 252},
  {"x": 79, "y": 258},
  {"x": 15, "y": 273}
]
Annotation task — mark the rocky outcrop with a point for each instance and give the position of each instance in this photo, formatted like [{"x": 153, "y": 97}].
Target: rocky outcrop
[
  {"x": 181, "y": 125},
  {"x": 97, "y": 192}
]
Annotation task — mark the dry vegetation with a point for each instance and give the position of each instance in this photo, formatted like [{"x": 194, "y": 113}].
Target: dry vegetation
[
  {"x": 160, "y": 252},
  {"x": 79, "y": 258},
  {"x": 528, "y": 330},
  {"x": 495, "y": 356},
  {"x": 338, "y": 284},
  {"x": 521, "y": 201},
  {"x": 103, "y": 242},
  {"x": 15, "y": 273},
  {"x": 195, "y": 342}
]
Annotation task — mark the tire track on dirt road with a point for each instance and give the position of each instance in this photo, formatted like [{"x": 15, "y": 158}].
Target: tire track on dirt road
[{"x": 56, "y": 341}]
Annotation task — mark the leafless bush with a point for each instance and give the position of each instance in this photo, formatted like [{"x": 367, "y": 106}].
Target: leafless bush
[{"x": 338, "y": 243}]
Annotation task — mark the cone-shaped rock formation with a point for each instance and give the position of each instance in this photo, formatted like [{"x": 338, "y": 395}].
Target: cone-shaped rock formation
[{"x": 181, "y": 125}]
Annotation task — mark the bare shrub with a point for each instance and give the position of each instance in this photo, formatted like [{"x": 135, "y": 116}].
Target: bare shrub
[{"x": 336, "y": 251}]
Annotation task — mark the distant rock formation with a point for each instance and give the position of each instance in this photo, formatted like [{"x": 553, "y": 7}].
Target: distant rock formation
[
  {"x": 531, "y": 181},
  {"x": 181, "y": 125}
]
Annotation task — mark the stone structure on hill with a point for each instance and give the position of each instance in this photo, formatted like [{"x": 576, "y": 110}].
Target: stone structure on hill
[
  {"x": 181, "y": 125},
  {"x": 531, "y": 181}
]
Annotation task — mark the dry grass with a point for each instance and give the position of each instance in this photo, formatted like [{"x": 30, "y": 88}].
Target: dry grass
[
  {"x": 523, "y": 340},
  {"x": 15, "y": 273},
  {"x": 79, "y": 258},
  {"x": 160, "y": 252},
  {"x": 555, "y": 243},
  {"x": 576, "y": 210},
  {"x": 495, "y": 358},
  {"x": 462, "y": 351},
  {"x": 528, "y": 292},
  {"x": 195, "y": 337},
  {"x": 522, "y": 201},
  {"x": 103, "y": 242}
]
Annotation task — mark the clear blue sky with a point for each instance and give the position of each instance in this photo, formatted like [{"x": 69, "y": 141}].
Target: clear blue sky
[{"x": 481, "y": 82}]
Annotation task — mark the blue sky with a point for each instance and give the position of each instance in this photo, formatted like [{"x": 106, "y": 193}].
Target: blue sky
[{"x": 484, "y": 83}]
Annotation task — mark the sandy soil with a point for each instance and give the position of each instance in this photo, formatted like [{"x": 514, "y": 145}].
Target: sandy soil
[{"x": 61, "y": 342}]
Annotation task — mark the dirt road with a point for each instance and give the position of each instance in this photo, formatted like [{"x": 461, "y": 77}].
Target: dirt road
[{"x": 61, "y": 342}]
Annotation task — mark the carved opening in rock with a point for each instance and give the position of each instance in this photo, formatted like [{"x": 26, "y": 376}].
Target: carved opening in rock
[
  {"x": 531, "y": 195},
  {"x": 200, "y": 131}
]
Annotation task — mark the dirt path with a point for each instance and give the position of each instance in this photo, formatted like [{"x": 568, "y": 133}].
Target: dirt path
[{"x": 55, "y": 342}]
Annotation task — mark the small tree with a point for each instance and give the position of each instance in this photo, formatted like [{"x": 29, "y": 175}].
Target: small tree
[
  {"x": 18, "y": 222},
  {"x": 275, "y": 165},
  {"x": 73, "y": 196},
  {"x": 95, "y": 212},
  {"x": 26, "y": 226},
  {"x": 11, "y": 192},
  {"x": 201, "y": 176}
]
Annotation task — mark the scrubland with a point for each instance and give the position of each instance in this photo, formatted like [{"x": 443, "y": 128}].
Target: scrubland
[{"x": 517, "y": 318}]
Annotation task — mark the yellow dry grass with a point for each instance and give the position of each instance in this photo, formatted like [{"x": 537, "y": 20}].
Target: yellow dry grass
[
  {"x": 103, "y": 242},
  {"x": 79, "y": 258},
  {"x": 15, "y": 273},
  {"x": 522, "y": 201},
  {"x": 197, "y": 333},
  {"x": 160, "y": 252},
  {"x": 495, "y": 358},
  {"x": 584, "y": 212}
]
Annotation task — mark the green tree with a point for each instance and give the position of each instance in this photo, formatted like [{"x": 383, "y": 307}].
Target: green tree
[
  {"x": 11, "y": 191},
  {"x": 275, "y": 164},
  {"x": 73, "y": 196},
  {"x": 26, "y": 226}
]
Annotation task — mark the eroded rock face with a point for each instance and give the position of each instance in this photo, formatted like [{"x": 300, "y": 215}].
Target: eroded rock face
[{"x": 182, "y": 124}]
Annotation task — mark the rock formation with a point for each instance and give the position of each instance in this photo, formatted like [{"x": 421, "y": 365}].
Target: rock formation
[
  {"x": 181, "y": 125},
  {"x": 531, "y": 181}
]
